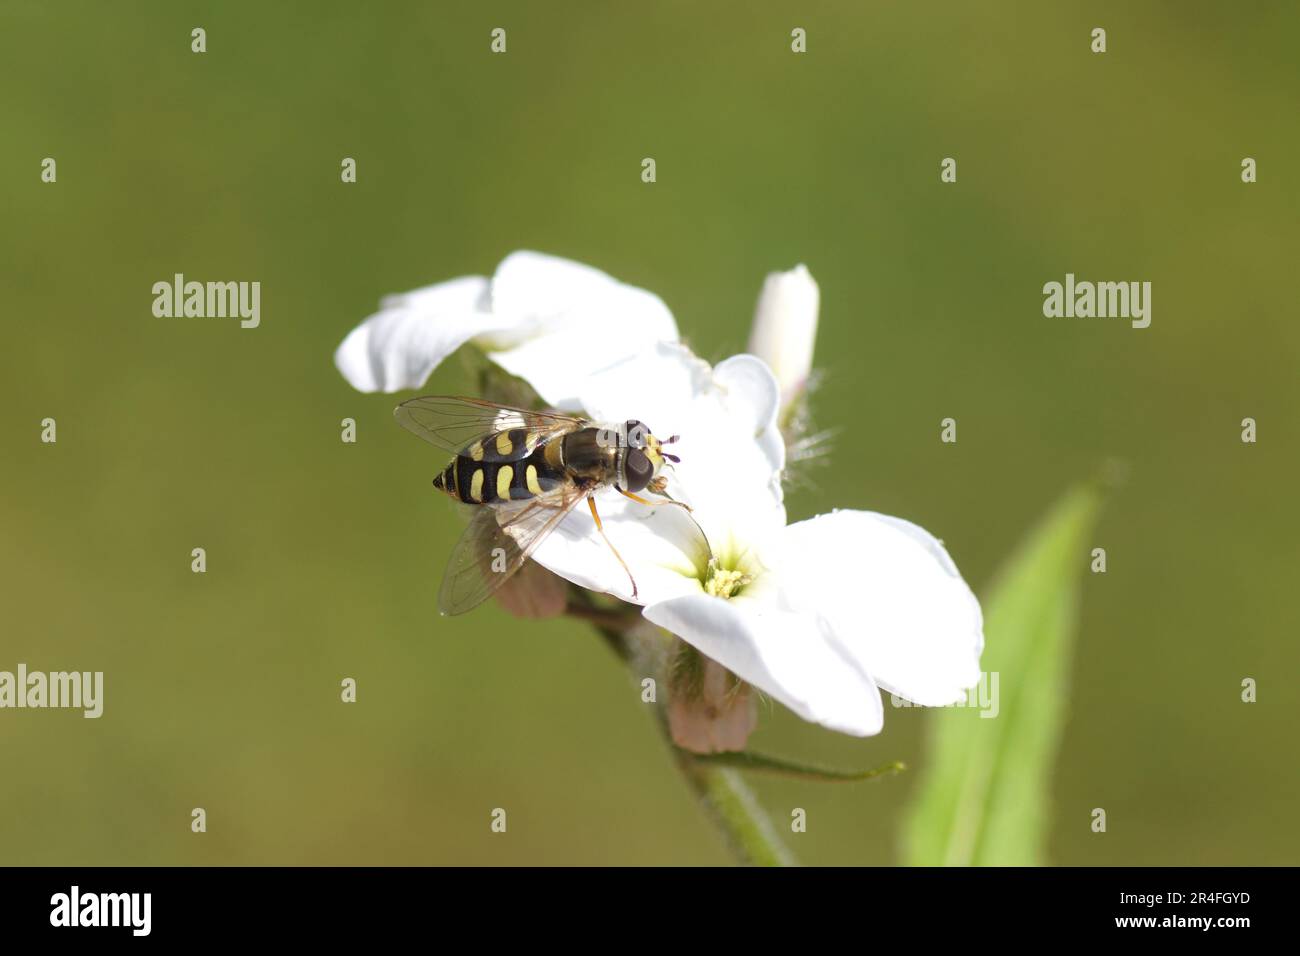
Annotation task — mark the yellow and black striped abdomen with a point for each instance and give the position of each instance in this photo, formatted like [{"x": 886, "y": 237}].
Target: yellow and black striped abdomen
[{"x": 495, "y": 478}]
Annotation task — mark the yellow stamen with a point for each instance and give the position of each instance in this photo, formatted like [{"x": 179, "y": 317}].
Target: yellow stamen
[{"x": 724, "y": 583}]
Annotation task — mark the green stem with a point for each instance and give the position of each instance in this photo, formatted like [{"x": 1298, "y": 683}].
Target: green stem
[
  {"x": 732, "y": 806},
  {"x": 728, "y": 802}
]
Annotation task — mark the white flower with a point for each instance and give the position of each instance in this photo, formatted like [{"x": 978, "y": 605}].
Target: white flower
[
  {"x": 545, "y": 319},
  {"x": 785, "y": 328},
  {"x": 822, "y": 614}
]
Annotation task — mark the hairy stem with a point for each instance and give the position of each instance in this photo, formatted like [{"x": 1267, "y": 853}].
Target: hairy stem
[
  {"x": 746, "y": 828},
  {"x": 728, "y": 801}
]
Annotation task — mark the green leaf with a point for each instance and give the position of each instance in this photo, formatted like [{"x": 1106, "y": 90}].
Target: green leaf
[
  {"x": 984, "y": 793},
  {"x": 747, "y": 760}
]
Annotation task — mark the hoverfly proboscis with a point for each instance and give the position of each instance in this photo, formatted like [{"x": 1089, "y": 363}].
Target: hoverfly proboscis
[{"x": 523, "y": 471}]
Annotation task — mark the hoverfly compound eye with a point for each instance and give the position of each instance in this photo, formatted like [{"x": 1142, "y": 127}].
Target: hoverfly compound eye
[
  {"x": 636, "y": 434},
  {"x": 637, "y": 470}
]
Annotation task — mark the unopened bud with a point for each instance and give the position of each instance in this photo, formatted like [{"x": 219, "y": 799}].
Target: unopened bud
[
  {"x": 712, "y": 710},
  {"x": 785, "y": 328}
]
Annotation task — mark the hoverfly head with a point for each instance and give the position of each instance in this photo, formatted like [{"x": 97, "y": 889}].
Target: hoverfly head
[{"x": 644, "y": 458}]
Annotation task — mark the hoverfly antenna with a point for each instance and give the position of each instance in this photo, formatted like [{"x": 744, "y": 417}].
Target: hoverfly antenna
[
  {"x": 669, "y": 441},
  {"x": 673, "y": 458}
]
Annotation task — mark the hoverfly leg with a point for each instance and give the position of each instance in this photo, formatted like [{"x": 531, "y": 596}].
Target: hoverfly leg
[
  {"x": 591, "y": 501},
  {"x": 659, "y": 487},
  {"x": 654, "y": 504}
]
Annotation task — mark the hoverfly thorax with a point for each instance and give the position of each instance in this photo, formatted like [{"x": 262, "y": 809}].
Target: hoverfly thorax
[{"x": 626, "y": 454}]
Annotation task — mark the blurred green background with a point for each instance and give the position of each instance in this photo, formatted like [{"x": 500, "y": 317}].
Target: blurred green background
[{"x": 222, "y": 689}]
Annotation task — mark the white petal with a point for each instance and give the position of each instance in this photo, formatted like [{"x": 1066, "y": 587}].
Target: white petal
[
  {"x": 568, "y": 320},
  {"x": 783, "y": 654},
  {"x": 399, "y": 346},
  {"x": 892, "y": 598},
  {"x": 731, "y": 453},
  {"x": 557, "y": 362},
  {"x": 785, "y": 327},
  {"x": 752, "y": 391},
  {"x": 662, "y": 386},
  {"x": 662, "y": 546}
]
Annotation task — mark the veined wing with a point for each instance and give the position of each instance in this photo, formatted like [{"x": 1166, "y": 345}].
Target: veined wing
[
  {"x": 496, "y": 544},
  {"x": 455, "y": 423}
]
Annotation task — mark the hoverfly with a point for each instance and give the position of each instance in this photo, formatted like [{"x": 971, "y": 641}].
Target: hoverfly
[{"x": 523, "y": 471}]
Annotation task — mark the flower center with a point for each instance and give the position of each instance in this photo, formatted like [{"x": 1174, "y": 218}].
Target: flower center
[{"x": 724, "y": 582}]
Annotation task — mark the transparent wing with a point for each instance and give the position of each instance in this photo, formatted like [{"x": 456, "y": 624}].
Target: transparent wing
[
  {"x": 454, "y": 423},
  {"x": 496, "y": 544}
]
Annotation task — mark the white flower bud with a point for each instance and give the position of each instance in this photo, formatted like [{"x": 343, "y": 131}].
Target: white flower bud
[{"x": 785, "y": 328}]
